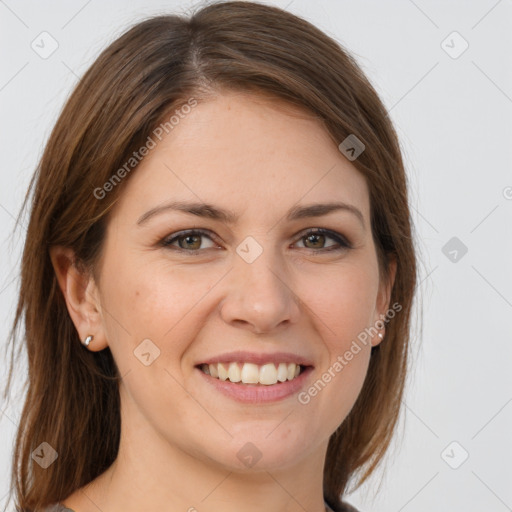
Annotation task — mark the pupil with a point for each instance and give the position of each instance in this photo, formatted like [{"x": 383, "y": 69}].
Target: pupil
[
  {"x": 315, "y": 236},
  {"x": 188, "y": 238}
]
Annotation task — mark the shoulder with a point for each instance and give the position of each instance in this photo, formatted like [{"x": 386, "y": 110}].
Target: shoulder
[
  {"x": 348, "y": 508},
  {"x": 344, "y": 507}
]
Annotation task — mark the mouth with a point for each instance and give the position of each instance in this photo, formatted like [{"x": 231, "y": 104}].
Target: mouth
[
  {"x": 246, "y": 373},
  {"x": 255, "y": 377}
]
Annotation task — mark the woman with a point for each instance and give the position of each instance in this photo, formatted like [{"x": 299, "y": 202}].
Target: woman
[{"x": 218, "y": 275}]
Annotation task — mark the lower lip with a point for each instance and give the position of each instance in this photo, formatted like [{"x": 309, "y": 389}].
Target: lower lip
[{"x": 258, "y": 393}]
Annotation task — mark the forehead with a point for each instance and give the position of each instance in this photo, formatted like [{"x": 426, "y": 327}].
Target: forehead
[{"x": 245, "y": 152}]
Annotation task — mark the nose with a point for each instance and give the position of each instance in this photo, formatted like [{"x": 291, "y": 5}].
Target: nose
[{"x": 260, "y": 297}]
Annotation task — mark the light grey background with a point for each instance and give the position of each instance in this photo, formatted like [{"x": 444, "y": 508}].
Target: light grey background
[{"x": 453, "y": 116}]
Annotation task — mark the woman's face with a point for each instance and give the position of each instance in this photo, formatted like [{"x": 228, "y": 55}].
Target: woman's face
[{"x": 258, "y": 292}]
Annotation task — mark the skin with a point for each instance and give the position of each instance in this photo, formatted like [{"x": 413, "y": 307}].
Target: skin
[{"x": 180, "y": 437}]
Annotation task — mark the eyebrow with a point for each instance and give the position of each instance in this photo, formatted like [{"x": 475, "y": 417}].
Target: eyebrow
[{"x": 229, "y": 217}]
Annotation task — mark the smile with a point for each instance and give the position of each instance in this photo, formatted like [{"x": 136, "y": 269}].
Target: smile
[{"x": 250, "y": 373}]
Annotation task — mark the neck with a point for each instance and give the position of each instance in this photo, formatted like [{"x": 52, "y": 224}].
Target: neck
[{"x": 151, "y": 473}]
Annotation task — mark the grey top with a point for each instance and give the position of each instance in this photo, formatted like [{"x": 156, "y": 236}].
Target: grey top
[{"x": 61, "y": 508}]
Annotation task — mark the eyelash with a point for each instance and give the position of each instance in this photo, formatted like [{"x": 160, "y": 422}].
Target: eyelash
[{"x": 344, "y": 244}]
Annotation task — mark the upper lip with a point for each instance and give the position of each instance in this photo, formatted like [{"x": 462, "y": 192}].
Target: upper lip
[{"x": 258, "y": 358}]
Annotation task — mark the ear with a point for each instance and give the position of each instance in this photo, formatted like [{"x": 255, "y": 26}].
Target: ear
[
  {"x": 81, "y": 295},
  {"x": 384, "y": 298}
]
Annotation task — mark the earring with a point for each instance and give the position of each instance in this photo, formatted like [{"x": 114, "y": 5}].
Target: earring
[
  {"x": 381, "y": 335},
  {"x": 87, "y": 340}
]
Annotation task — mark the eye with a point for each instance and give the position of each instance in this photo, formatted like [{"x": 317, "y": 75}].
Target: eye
[
  {"x": 189, "y": 240},
  {"x": 318, "y": 236}
]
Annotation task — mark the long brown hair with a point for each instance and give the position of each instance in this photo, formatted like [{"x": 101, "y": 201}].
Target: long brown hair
[{"x": 72, "y": 401}]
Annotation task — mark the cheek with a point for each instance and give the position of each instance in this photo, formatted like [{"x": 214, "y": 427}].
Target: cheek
[
  {"x": 166, "y": 306},
  {"x": 343, "y": 306},
  {"x": 156, "y": 302},
  {"x": 343, "y": 313},
  {"x": 344, "y": 303}
]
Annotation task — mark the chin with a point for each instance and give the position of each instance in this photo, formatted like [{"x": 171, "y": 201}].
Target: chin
[{"x": 252, "y": 450}]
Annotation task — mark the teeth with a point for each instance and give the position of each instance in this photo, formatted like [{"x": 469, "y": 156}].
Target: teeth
[
  {"x": 282, "y": 372},
  {"x": 222, "y": 371},
  {"x": 291, "y": 371},
  {"x": 213, "y": 370},
  {"x": 268, "y": 374},
  {"x": 250, "y": 373},
  {"x": 234, "y": 374}
]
